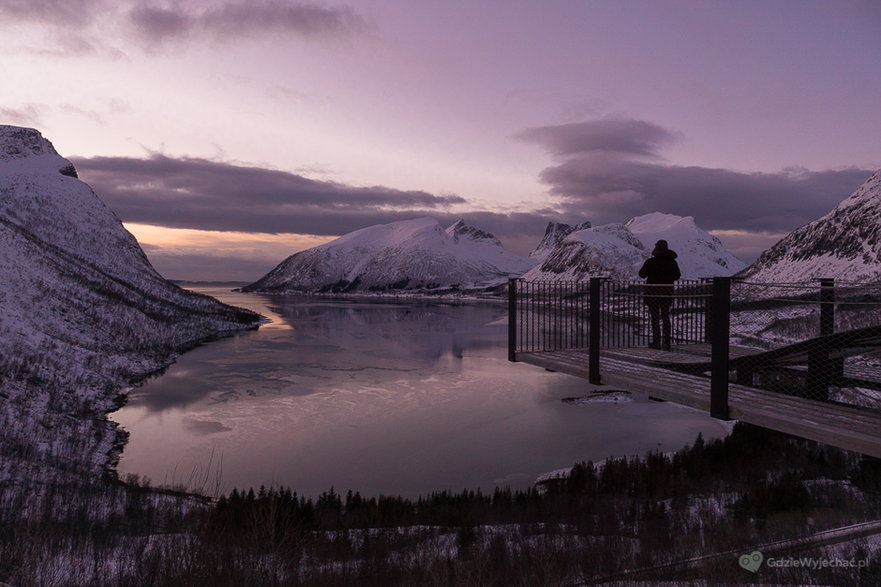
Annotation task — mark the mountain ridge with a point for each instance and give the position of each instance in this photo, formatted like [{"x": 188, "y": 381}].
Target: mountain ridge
[
  {"x": 417, "y": 255},
  {"x": 83, "y": 314},
  {"x": 843, "y": 243}
]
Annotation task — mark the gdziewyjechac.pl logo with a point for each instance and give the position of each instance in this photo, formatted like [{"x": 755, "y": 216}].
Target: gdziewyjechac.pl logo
[{"x": 752, "y": 561}]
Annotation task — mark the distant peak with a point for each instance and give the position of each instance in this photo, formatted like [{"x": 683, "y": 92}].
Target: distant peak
[
  {"x": 457, "y": 225},
  {"x": 657, "y": 222},
  {"x": 562, "y": 228},
  {"x": 462, "y": 228},
  {"x": 18, "y": 142},
  {"x": 555, "y": 227},
  {"x": 554, "y": 234}
]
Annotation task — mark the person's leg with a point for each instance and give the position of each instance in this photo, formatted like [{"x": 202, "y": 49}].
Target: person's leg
[
  {"x": 665, "y": 324},
  {"x": 655, "y": 313}
]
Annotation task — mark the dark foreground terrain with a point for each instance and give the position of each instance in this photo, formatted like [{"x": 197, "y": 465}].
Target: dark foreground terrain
[{"x": 624, "y": 519}]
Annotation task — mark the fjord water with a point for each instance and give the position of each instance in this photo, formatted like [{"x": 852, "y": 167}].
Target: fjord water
[{"x": 383, "y": 397}]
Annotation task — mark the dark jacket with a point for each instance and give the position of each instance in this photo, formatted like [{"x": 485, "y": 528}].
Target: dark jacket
[{"x": 661, "y": 267}]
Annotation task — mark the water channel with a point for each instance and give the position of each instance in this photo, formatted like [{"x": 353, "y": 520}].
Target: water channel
[{"x": 380, "y": 396}]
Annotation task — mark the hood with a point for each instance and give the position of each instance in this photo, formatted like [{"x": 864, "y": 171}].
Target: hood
[{"x": 664, "y": 254}]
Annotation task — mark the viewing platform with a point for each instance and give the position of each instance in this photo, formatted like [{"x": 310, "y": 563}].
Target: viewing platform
[{"x": 804, "y": 359}]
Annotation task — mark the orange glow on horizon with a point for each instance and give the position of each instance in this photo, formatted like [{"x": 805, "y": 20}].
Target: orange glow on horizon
[{"x": 221, "y": 241}]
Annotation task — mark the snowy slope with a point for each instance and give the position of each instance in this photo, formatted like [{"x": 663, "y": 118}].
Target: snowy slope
[
  {"x": 700, "y": 253},
  {"x": 618, "y": 250},
  {"x": 82, "y": 314},
  {"x": 415, "y": 255},
  {"x": 554, "y": 235},
  {"x": 843, "y": 244},
  {"x": 608, "y": 250}
]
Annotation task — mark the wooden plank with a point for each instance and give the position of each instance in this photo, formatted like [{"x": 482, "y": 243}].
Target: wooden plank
[
  {"x": 866, "y": 441},
  {"x": 847, "y": 427},
  {"x": 652, "y": 356}
]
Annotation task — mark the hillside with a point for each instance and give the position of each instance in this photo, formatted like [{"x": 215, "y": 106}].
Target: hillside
[
  {"x": 843, "y": 244},
  {"x": 83, "y": 314}
]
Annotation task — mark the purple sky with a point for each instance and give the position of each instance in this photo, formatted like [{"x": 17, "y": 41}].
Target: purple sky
[{"x": 227, "y": 135}]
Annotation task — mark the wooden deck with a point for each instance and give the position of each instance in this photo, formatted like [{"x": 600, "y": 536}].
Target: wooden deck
[{"x": 638, "y": 370}]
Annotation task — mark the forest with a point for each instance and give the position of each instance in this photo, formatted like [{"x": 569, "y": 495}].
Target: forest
[{"x": 622, "y": 519}]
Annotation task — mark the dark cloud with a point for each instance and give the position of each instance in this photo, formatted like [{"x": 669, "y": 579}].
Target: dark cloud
[
  {"x": 209, "y": 195},
  {"x": 611, "y": 190},
  {"x": 614, "y": 135},
  {"x": 212, "y": 195},
  {"x": 242, "y": 19},
  {"x": 30, "y": 115},
  {"x": 65, "y": 13},
  {"x": 302, "y": 18},
  {"x": 80, "y": 27},
  {"x": 599, "y": 177},
  {"x": 158, "y": 24}
]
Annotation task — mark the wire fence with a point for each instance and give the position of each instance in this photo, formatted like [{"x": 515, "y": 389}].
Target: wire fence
[
  {"x": 554, "y": 315},
  {"x": 818, "y": 340},
  {"x": 634, "y": 314}
]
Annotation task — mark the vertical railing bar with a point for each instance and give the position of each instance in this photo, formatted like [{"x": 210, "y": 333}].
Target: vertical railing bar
[
  {"x": 512, "y": 320},
  {"x": 593, "y": 368},
  {"x": 559, "y": 324},
  {"x": 721, "y": 313},
  {"x": 527, "y": 317},
  {"x": 541, "y": 315},
  {"x": 552, "y": 316},
  {"x": 555, "y": 314},
  {"x": 531, "y": 317},
  {"x": 827, "y": 306}
]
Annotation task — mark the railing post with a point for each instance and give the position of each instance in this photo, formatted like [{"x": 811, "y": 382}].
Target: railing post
[
  {"x": 512, "y": 320},
  {"x": 824, "y": 371},
  {"x": 720, "y": 313},
  {"x": 593, "y": 345},
  {"x": 827, "y": 306}
]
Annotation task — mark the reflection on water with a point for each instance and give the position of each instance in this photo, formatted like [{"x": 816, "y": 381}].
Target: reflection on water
[{"x": 382, "y": 397}]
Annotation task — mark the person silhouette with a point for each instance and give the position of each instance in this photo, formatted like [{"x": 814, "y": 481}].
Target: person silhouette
[{"x": 660, "y": 270}]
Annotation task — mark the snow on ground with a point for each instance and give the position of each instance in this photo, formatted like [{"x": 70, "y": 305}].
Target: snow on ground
[{"x": 600, "y": 397}]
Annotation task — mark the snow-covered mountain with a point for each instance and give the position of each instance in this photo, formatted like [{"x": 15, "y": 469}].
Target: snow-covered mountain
[
  {"x": 82, "y": 314},
  {"x": 554, "y": 234},
  {"x": 618, "y": 250},
  {"x": 700, "y": 253},
  {"x": 414, "y": 255},
  {"x": 843, "y": 244},
  {"x": 607, "y": 250}
]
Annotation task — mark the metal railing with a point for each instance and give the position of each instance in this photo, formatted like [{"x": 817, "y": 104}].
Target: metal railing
[
  {"x": 625, "y": 312},
  {"x": 819, "y": 340},
  {"x": 547, "y": 315},
  {"x": 554, "y": 315}
]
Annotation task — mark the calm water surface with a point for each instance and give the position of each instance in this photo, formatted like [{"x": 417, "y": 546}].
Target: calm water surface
[{"x": 380, "y": 397}]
